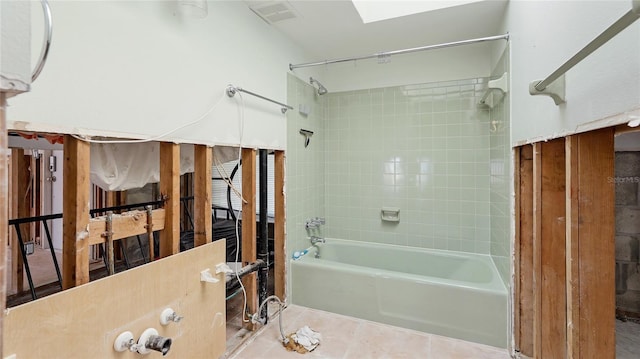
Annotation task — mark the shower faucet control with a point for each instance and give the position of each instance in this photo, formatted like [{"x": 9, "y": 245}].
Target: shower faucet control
[{"x": 314, "y": 222}]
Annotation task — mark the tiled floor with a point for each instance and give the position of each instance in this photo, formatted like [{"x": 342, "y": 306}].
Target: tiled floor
[
  {"x": 627, "y": 340},
  {"x": 41, "y": 266},
  {"x": 346, "y": 338}
]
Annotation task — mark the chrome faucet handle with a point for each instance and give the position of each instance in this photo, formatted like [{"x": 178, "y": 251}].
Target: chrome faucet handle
[
  {"x": 320, "y": 220},
  {"x": 309, "y": 223},
  {"x": 315, "y": 240}
]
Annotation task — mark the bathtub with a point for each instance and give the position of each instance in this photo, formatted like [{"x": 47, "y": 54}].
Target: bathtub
[{"x": 454, "y": 294}]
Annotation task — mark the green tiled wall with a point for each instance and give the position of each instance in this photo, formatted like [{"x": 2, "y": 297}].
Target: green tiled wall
[
  {"x": 501, "y": 182},
  {"x": 305, "y": 167},
  {"x": 421, "y": 148}
]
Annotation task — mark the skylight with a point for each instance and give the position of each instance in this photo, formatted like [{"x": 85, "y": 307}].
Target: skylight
[{"x": 376, "y": 10}]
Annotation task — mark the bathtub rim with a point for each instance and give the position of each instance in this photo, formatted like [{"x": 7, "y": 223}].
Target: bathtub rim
[{"x": 496, "y": 285}]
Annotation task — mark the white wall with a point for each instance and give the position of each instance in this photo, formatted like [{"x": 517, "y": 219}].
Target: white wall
[
  {"x": 141, "y": 68},
  {"x": 456, "y": 63},
  {"x": 15, "y": 73},
  {"x": 544, "y": 34}
]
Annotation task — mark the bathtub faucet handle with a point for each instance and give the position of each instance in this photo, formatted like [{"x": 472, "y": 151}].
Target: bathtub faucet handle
[
  {"x": 319, "y": 220},
  {"x": 315, "y": 240},
  {"x": 310, "y": 223}
]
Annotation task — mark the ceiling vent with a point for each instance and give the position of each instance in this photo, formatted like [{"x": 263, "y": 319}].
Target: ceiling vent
[{"x": 273, "y": 11}]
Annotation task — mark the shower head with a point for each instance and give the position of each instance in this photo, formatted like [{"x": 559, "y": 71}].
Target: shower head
[{"x": 321, "y": 89}]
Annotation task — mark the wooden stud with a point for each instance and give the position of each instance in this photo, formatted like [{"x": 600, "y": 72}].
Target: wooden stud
[
  {"x": 111, "y": 200},
  {"x": 572, "y": 250},
  {"x": 4, "y": 210},
  {"x": 537, "y": 252},
  {"x": 170, "y": 190},
  {"x": 279, "y": 232},
  {"x": 248, "y": 247},
  {"x": 591, "y": 234},
  {"x": 20, "y": 204},
  {"x": 150, "y": 229},
  {"x": 549, "y": 246},
  {"x": 75, "y": 193},
  {"x": 111, "y": 258},
  {"x": 203, "y": 162},
  {"x": 523, "y": 304}
]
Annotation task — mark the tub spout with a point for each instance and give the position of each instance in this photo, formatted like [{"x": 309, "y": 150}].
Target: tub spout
[{"x": 314, "y": 242}]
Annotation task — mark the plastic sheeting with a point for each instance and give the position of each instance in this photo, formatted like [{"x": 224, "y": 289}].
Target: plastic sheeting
[{"x": 123, "y": 166}]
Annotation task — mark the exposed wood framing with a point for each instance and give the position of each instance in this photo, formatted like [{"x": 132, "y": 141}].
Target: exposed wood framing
[
  {"x": 75, "y": 244},
  {"x": 523, "y": 306},
  {"x": 113, "y": 199},
  {"x": 20, "y": 209},
  {"x": 127, "y": 224},
  {"x": 572, "y": 260},
  {"x": 537, "y": 252},
  {"x": 170, "y": 190},
  {"x": 279, "y": 232},
  {"x": 549, "y": 249},
  {"x": 203, "y": 162},
  {"x": 84, "y": 322},
  {"x": 571, "y": 273},
  {"x": 591, "y": 232},
  {"x": 4, "y": 210},
  {"x": 248, "y": 247}
]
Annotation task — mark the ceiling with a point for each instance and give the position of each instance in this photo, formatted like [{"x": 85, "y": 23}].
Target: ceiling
[{"x": 333, "y": 29}]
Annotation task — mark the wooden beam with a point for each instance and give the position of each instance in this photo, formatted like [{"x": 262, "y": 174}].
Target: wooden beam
[
  {"x": 248, "y": 247},
  {"x": 590, "y": 234},
  {"x": 170, "y": 190},
  {"x": 20, "y": 204},
  {"x": 75, "y": 194},
  {"x": 124, "y": 225},
  {"x": 203, "y": 162},
  {"x": 4, "y": 211},
  {"x": 523, "y": 306},
  {"x": 280, "y": 256}
]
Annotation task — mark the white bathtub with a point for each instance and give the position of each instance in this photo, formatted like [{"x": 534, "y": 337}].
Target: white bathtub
[{"x": 454, "y": 294}]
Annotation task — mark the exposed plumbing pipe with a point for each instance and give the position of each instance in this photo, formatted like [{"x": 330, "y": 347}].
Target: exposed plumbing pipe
[
  {"x": 232, "y": 280},
  {"x": 263, "y": 320},
  {"x": 263, "y": 240}
]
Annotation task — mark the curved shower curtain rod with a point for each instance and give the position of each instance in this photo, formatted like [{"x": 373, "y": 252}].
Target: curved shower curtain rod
[{"x": 404, "y": 51}]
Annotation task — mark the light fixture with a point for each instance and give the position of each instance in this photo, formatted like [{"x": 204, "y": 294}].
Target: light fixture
[{"x": 635, "y": 121}]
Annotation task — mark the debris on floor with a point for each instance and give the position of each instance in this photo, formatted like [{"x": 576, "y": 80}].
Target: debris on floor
[{"x": 303, "y": 341}]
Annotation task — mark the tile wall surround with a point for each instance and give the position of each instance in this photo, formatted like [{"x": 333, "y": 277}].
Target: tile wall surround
[
  {"x": 421, "y": 148},
  {"x": 305, "y": 167},
  {"x": 427, "y": 149},
  {"x": 500, "y": 154}
]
